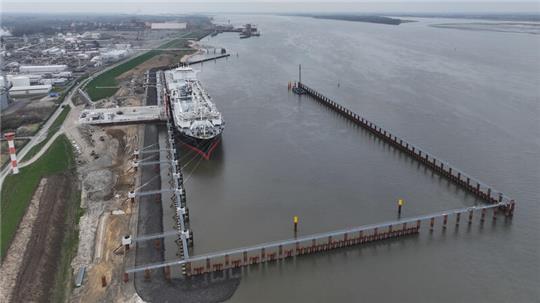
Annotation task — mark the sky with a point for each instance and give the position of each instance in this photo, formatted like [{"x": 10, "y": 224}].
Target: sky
[{"x": 266, "y": 6}]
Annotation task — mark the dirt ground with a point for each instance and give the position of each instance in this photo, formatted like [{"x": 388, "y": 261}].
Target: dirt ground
[
  {"x": 105, "y": 186},
  {"x": 35, "y": 279},
  {"x": 26, "y": 113},
  {"x": 106, "y": 182},
  {"x": 110, "y": 264}
]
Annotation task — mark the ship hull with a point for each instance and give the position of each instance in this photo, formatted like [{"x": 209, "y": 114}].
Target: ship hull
[{"x": 203, "y": 147}]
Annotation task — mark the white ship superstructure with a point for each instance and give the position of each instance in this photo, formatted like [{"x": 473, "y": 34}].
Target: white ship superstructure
[{"x": 194, "y": 113}]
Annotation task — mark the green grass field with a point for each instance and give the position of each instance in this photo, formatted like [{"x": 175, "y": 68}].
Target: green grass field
[
  {"x": 105, "y": 85},
  {"x": 55, "y": 126},
  {"x": 17, "y": 190}
]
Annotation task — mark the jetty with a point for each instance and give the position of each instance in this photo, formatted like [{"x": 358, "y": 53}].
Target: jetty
[{"x": 496, "y": 204}]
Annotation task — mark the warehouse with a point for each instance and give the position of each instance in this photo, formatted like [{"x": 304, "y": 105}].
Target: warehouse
[{"x": 42, "y": 69}]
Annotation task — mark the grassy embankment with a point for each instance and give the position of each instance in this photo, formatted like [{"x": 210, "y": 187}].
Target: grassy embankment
[
  {"x": 17, "y": 190},
  {"x": 17, "y": 193},
  {"x": 105, "y": 85},
  {"x": 55, "y": 126}
]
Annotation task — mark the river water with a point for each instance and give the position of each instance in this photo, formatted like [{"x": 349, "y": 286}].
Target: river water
[{"x": 470, "y": 97}]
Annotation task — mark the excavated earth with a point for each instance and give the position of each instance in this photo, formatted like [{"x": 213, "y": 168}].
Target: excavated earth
[{"x": 35, "y": 280}]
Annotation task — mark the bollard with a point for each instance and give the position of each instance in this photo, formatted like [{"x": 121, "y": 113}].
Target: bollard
[
  {"x": 470, "y": 216},
  {"x": 431, "y": 223},
  {"x": 188, "y": 269},
  {"x": 483, "y": 215},
  {"x": 400, "y": 205},
  {"x": 418, "y": 224},
  {"x": 457, "y": 218},
  {"x": 509, "y": 209},
  {"x": 494, "y": 213},
  {"x": 512, "y": 207},
  {"x": 226, "y": 260},
  {"x": 167, "y": 273},
  {"x": 103, "y": 281},
  {"x": 146, "y": 275},
  {"x": 445, "y": 220}
]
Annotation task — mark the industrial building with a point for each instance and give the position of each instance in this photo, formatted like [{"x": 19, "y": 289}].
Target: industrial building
[
  {"x": 42, "y": 69},
  {"x": 4, "y": 96},
  {"x": 31, "y": 90},
  {"x": 168, "y": 25},
  {"x": 20, "y": 86}
]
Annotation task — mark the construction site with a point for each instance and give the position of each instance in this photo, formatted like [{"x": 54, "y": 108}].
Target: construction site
[{"x": 94, "y": 187}]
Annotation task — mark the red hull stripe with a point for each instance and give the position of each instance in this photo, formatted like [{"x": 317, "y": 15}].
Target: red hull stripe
[{"x": 206, "y": 155}]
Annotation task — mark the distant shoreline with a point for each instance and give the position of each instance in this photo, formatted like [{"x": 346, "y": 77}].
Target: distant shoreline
[
  {"x": 363, "y": 18},
  {"x": 505, "y": 27}
]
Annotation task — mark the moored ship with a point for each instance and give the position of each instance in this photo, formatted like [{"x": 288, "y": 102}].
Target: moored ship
[{"x": 196, "y": 117}]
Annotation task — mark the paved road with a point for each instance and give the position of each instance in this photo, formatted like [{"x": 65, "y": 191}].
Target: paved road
[
  {"x": 42, "y": 133},
  {"x": 40, "y": 136}
]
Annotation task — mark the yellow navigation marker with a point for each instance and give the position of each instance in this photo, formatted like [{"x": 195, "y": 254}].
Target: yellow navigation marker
[
  {"x": 401, "y": 202},
  {"x": 295, "y": 219}
]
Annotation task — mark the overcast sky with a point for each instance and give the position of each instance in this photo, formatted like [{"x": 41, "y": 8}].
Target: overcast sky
[{"x": 227, "y": 6}]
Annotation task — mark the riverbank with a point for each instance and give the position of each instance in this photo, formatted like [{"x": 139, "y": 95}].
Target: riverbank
[{"x": 106, "y": 84}]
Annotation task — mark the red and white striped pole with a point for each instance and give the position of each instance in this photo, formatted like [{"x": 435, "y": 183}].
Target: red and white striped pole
[{"x": 11, "y": 145}]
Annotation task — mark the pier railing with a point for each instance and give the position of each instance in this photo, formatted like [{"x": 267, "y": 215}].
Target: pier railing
[
  {"x": 321, "y": 242},
  {"x": 463, "y": 180}
]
